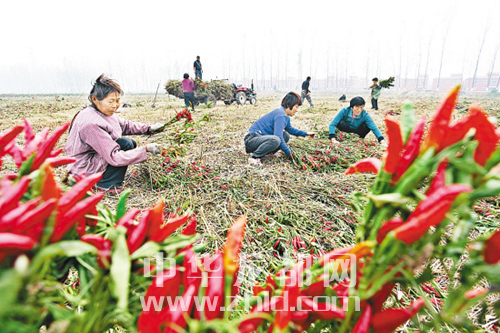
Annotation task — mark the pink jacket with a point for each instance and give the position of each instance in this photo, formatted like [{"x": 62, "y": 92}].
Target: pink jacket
[{"x": 92, "y": 142}]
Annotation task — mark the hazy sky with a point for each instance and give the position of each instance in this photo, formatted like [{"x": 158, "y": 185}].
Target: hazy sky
[{"x": 61, "y": 46}]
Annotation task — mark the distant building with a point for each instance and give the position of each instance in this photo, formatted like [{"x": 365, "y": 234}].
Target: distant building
[
  {"x": 481, "y": 83},
  {"x": 446, "y": 83}
]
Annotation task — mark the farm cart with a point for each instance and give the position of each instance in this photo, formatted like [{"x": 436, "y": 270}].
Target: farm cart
[{"x": 206, "y": 92}]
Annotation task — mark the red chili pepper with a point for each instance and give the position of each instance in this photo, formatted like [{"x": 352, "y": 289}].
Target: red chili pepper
[
  {"x": 28, "y": 131},
  {"x": 363, "y": 323},
  {"x": 127, "y": 220},
  {"x": 60, "y": 161},
  {"x": 167, "y": 285},
  {"x": 233, "y": 244},
  {"x": 9, "y": 219},
  {"x": 491, "y": 252},
  {"x": 429, "y": 212},
  {"x": 92, "y": 222},
  {"x": 359, "y": 250},
  {"x": 8, "y": 136},
  {"x": 12, "y": 242},
  {"x": 81, "y": 227},
  {"x": 56, "y": 152},
  {"x": 156, "y": 218},
  {"x": 410, "y": 152},
  {"x": 103, "y": 247},
  {"x": 388, "y": 227},
  {"x": 9, "y": 200},
  {"x": 250, "y": 325},
  {"x": 215, "y": 289},
  {"x": 440, "y": 124},
  {"x": 192, "y": 273},
  {"x": 370, "y": 164},
  {"x": 475, "y": 293},
  {"x": 485, "y": 134},
  {"x": 50, "y": 187},
  {"x": 190, "y": 228},
  {"x": 78, "y": 192},
  {"x": 439, "y": 179},
  {"x": 388, "y": 320},
  {"x": 34, "y": 216},
  {"x": 138, "y": 234},
  {"x": 46, "y": 147},
  {"x": 8, "y": 146},
  {"x": 315, "y": 289},
  {"x": 381, "y": 296},
  {"x": 168, "y": 228},
  {"x": 300, "y": 317},
  {"x": 66, "y": 221},
  {"x": 321, "y": 311},
  {"x": 392, "y": 154},
  {"x": 288, "y": 299},
  {"x": 177, "y": 315}
]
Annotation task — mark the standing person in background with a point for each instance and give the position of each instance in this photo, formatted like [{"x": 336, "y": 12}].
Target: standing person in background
[
  {"x": 198, "y": 69},
  {"x": 306, "y": 91},
  {"x": 375, "y": 93},
  {"x": 188, "y": 88}
]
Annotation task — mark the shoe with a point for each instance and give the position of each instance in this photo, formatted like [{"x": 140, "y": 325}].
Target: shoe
[
  {"x": 276, "y": 154},
  {"x": 255, "y": 161},
  {"x": 110, "y": 191}
]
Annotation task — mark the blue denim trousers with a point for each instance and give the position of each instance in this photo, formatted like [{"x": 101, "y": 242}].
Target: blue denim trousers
[
  {"x": 262, "y": 145},
  {"x": 114, "y": 176}
]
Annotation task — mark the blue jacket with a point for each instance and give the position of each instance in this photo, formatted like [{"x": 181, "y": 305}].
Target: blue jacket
[
  {"x": 274, "y": 123},
  {"x": 353, "y": 123}
]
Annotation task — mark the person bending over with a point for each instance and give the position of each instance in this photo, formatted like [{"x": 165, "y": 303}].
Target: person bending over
[
  {"x": 95, "y": 138},
  {"x": 354, "y": 119},
  {"x": 272, "y": 131}
]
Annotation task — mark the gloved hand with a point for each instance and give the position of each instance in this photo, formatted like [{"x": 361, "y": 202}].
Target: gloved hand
[
  {"x": 153, "y": 149},
  {"x": 156, "y": 128}
]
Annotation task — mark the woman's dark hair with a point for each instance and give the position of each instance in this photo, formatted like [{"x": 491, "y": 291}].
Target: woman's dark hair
[
  {"x": 290, "y": 100},
  {"x": 186, "y": 75},
  {"x": 308, "y": 78},
  {"x": 102, "y": 87},
  {"x": 375, "y": 79},
  {"x": 357, "y": 101}
]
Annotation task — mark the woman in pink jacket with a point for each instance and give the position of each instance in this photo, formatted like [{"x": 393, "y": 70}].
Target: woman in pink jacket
[{"x": 95, "y": 138}]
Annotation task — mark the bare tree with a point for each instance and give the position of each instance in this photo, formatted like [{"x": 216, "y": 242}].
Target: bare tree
[
  {"x": 479, "y": 55},
  {"x": 263, "y": 70},
  {"x": 419, "y": 61},
  {"x": 442, "y": 53},
  {"x": 299, "y": 63},
  {"x": 492, "y": 66},
  {"x": 427, "y": 62},
  {"x": 327, "y": 66}
]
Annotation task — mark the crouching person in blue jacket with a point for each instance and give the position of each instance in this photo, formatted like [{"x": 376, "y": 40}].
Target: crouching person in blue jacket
[
  {"x": 271, "y": 132},
  {"x": 354, "y": 119}
]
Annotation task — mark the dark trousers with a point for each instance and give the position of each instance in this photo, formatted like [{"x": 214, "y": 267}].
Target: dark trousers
[
  {"x": 189, "y": 99},
  {"x": 262, "y": 145},
  {"x": 114, "y": 176},
  {"x": 374, "y": 104},
  {"x": 362, "y": 130}
]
